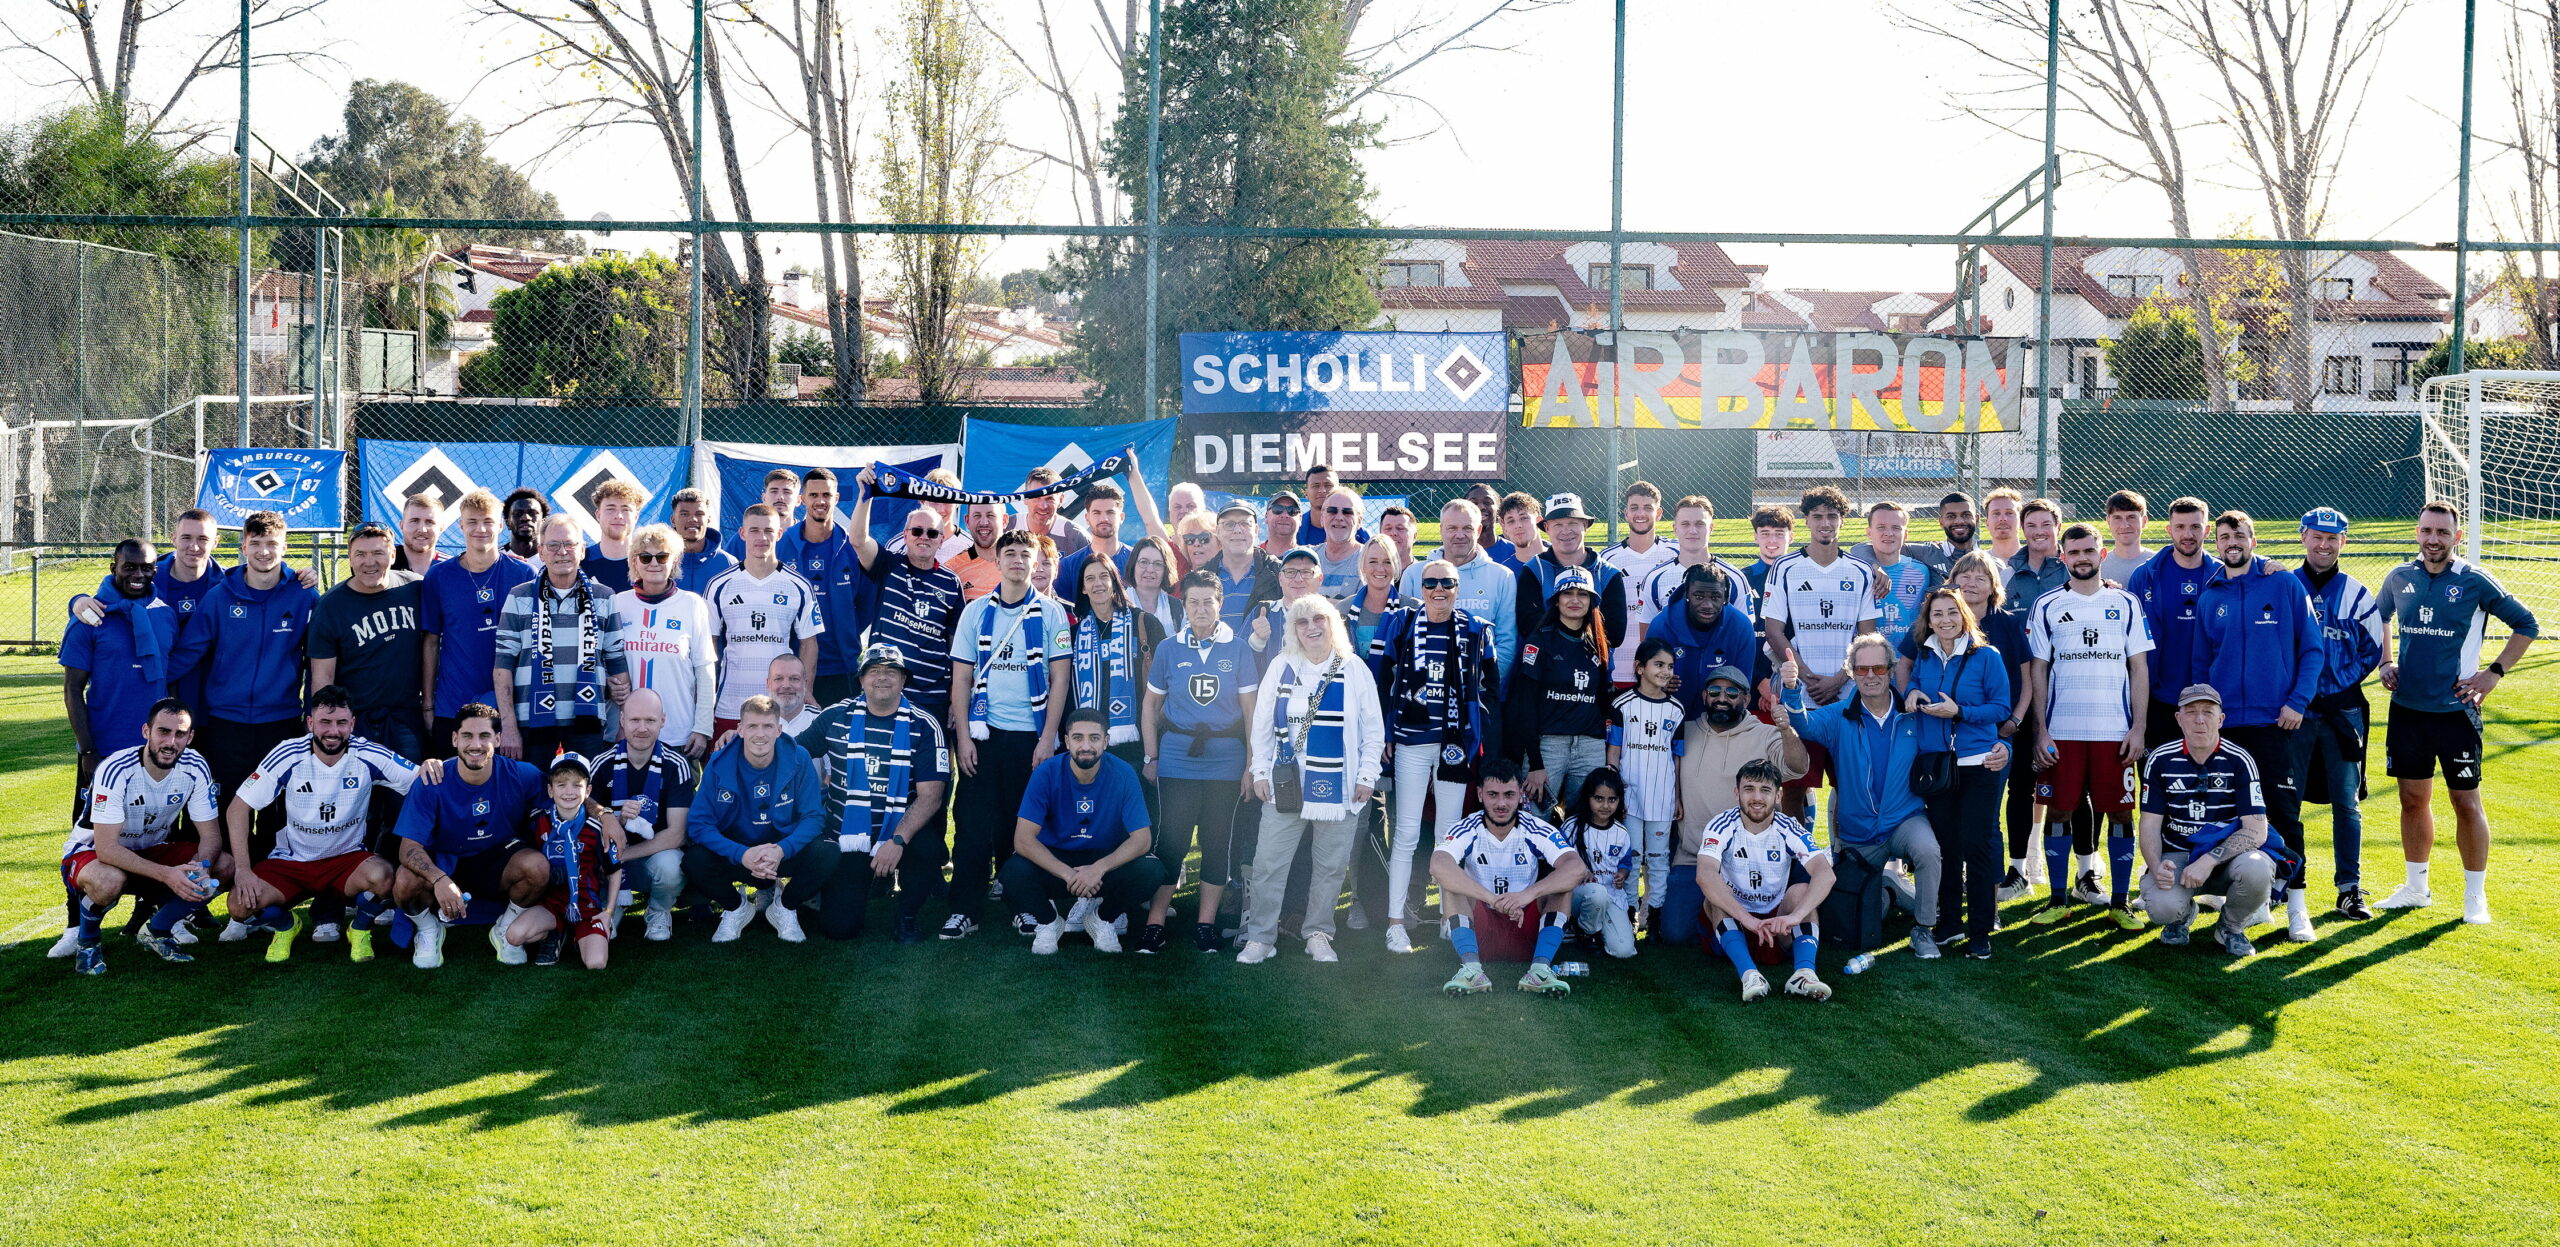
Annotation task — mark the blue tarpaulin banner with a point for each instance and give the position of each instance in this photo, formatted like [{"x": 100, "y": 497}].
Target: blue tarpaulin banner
[
  {"x": 567, "y": 475},
  {"x": 307, "y": 487},
  {"x": 996, "y": 456}
]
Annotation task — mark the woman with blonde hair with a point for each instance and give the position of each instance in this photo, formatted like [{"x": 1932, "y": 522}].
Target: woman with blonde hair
[
  {"x": 1976, "y": 576},
  {"x": 1959, "y": 687},
  {"x": 1317, "y": 736},
  {"x": 666, "y": 631}
]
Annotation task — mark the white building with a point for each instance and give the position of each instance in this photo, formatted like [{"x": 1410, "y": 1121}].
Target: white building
[{"x": 1445, "y": 286}]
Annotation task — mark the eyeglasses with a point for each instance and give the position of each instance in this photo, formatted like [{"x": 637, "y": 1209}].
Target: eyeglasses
[
  {"x": 563, "y": 545},
  {"x": 1198, "y": 539},
  {"x": 1439, "y": 582},
  {"x": 653, "y": 556},
  {"x": 1284, "y": 510},
  {"x": 1869, "y": 669},
  {"x": 1342, "y": 510}
]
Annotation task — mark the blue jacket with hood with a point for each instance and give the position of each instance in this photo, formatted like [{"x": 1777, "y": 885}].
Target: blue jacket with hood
[
  {"x": 248, "y": 643},
  {"x": 2257, "y": 643}
]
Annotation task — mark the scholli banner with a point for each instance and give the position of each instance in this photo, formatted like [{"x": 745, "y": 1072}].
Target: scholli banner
[
  {"x": 1737, "y": 379},
  {"x": 1372, "y": 406}
]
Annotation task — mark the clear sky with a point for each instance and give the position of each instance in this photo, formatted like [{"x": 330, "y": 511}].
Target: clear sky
[{"x": 1813, "y": 115}]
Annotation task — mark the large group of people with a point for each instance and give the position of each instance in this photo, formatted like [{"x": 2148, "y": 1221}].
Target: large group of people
[{"x": 1633, "y": 746}]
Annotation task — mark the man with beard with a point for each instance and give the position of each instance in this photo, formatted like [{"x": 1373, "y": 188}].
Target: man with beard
[
  {"x": 886, "y": 769},
  {"x": 127, "y": 841},
  {"x": 2263, "y": 653},
  {"x": 2036, "y": 569},
  {"x": 1040, "y": 515},
  {"x": 1763, "y": 880},
  {"x": 1705, "y": 631},
  {"x": 976, "y": 566},
  {"x": 1082, "y": 833},
  {"x": 418, "y": 534},
  {"x": 2350, "y": 618},
  {"x": 2168, "y": 586},
  {"x": 365, "y": 639},
  {"x": 823, "y": 553},
  {"x": 1503, "y": 863},
  {"x": 462, "y": 834},
  {"x": 1714, "y": 749},
  {"x": 325, "y": 782},
  {"x": 2088, "y": 690}
]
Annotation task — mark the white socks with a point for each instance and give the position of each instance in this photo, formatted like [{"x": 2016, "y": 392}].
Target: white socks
[{"x": 2417, "y": 875}]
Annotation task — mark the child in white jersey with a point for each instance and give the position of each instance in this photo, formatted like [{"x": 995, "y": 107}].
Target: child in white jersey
[
  {"x": 1644, "y": 749},
  {"x": 1603, "y": 906}
]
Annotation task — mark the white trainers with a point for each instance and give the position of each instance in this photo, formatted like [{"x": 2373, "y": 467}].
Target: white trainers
[
  {"x": 1105, "y": 936},
  {"x": 2258, "y": 917},
  {"x": 236, "y": 931},
  {"x": 786, "y": 923},
  {"x": 2297, "y": 910},
  {"x": 67, "y": 945},
  {"x": 508, "y": 954},
  {"x": 1255, "y": 953},
  {"x": 661, "y": 928},
  {"x": 2407, "y": 896},
  {"x": 1320, "y": 947},
  {"x": 1044, "y": 937},
  {"x": 328, "y": 933},
  {"x": 182, "y": 933},
  {"x": 1078, "y": 913},
  {"x": 1397, "y": 940},
  {"x": 1755, "y": 985},
  {"x": 426, "y": 945},
  {"x": 2475, "y": 910},
  {"x": 1804, "y": 983},
  {"x": 733, "y": 923}
]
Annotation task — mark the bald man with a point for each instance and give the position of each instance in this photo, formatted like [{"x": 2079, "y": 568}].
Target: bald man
[{"x": 650, "y": 786}]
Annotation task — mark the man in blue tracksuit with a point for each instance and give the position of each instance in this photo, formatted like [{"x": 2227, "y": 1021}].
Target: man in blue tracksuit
[
  {"x": 756, "y": 819},
  {"x": 1875, "y": 817},
  {"x": 1706, "y": 632},
  {"x": 246, "y": 636},
  {"x": 2258, "y": 646},
  {"x": 2167, "y": 587},
  {"x": 2350, "y": 619},
  {"x": 704, "y": 556},
  {"x": 822, "y": 552}
]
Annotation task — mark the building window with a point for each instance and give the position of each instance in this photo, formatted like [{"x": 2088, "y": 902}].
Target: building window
[
  {"x": 2088, "y": 376},
  {"x": 2342, "y": 374},
  {"x": 2009, "y": 299},
  {"x": 2390, "y": 376},
  {"x": 2337, "y": 289},
  {"x": 1633, "y": 276},
  {"x": 1411, "y": 273},
  {"x": 2133, "y": 285}
]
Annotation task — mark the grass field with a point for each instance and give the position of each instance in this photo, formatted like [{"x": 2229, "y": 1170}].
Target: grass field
[{"x": 2391, "y": 1083}]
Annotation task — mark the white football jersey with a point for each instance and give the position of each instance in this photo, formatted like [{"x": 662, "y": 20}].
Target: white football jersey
[
  {"x": 1633, "y": 568},
  {"x": 757, "y": 621},
  {"x": 1505, "y": 864},
  {"x": 2087, "y": 637},
  {"x": 1754, "y": 863},
  {"x": 324, "y": 804},
  {"x": 1826, "y": 606},
  {"x": 663, "y": 642},
  {"x": 1647, "y": 734},
  {"x": 1608, "y": 850},
  {"x": 140, "y": 810}
]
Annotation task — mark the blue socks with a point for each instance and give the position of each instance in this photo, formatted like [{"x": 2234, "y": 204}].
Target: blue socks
[
  {"x": 2057, "y": 862},
  {"x": 2119, "y": 861},
  {"x": 92, "y": 916},
  {"x": 1806, "y": 945},
  {"x": 172, "y": 911},
  {"x": 1463, "y": 938},
  {"x": 273, "y": 918},
  {"x": 362, "y": 914},
  {"x": 1550, "y": 938},
  {"x": 1736, "y": 949}
]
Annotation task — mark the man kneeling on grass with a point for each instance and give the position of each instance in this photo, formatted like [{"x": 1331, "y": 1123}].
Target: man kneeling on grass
[
  {"x": 1763, "y": 879},
  {"x": 1503, "y": 864},
  {"x": 2204, "y": 827},
  {"x": 757, "y": 818},
  {"x": 573, "y": 837},
  {"x": 1082, "y": 833}
]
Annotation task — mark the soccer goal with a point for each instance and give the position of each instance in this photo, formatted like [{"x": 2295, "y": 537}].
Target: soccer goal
[{"x": 2491, "y": 442}]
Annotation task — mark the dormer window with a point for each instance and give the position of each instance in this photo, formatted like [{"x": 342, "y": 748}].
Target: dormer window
[
  {"x": 2133, "y": 285},
  {"x": 2338, "y": 289},
  {"x": 1633, "y": 276},
  {"x": 1412, "y": 273}
]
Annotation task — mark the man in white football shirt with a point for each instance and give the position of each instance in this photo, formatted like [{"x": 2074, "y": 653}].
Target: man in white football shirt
[
  {"x": 759, "y": 609},
  {"x": 2089, "y": 690}
]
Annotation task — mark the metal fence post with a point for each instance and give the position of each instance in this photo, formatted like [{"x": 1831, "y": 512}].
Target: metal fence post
[
  {"x": 693, "y": 317},
  {"x": 1151, "y": 403},
  {"x": 2462, "y": 243},
  {"x": 2044, "y": 284},
  {"x": 1617, "y": 269},
  {"x": 240, "y": 326}
]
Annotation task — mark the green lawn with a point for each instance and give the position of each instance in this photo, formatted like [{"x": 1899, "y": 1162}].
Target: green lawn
[{"x": 2391, "y": 1083}]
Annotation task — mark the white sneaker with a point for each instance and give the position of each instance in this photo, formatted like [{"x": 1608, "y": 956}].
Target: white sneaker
[
  {"x": 508, "y": 954},
  {"x": 2013, "y": 886},
  {"x": 2407, "y": 896},
  {"x": 2297, "y": 909},
  {"x": 1804, "y": 983},
  {"x": 236, "y": 931},
  {"x": 67, "y": 945},
  {"x": 2258, "y": 917},
  {"x": 1755, "y": 985},
  {"x": 328, "y": 933},
  {"x": 426, "y": 946},
  {"x": 1044, "y": 937},
  {"x": 183, "y": 933},
  {"x": 2208, "y": 900},
  {"x": 1397, "y": 940},
  {"x": 1255, "y": 953},
  {"x": 662, "y": 926},
  {"x": 1079, "y": 912},
  {"x": 2475, "y": 910},
  {"x": 733, "y": 924},
  {"x": 1105, "y": 936},
  {"x": 2087, "y": 891},
  {"x": 1320, "y": 947},
  {"x": 786, "y": 923}
]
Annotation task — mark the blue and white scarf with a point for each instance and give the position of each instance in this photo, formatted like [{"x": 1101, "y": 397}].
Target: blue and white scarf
[
  {"x": 892, "y": 481},
  {"x": 1106, "y": 672},
  {"x": 869, "y": 801},
  {"x": 561, "y": 843},
  {"x": 1035, "y": 654},
  {"x": 1315, "y": 743}
]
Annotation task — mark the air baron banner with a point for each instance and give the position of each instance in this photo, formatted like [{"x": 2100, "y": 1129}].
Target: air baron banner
[
  {"x": 1736, "y": 379},
  {"x": 1372, "y": 406}
]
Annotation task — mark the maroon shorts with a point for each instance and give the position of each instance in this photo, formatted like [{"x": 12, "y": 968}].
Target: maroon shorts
[
  {"x": 557, "y": 901},
  {"x": 165, "y": 853},
  {"x": 2087, "y": 768},
  {"x": 295, "y": 880}
]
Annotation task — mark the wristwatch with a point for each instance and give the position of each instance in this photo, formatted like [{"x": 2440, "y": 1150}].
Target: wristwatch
[
  {"x": 2497, "y": 668},
  {"x": 898, "y": 840}
]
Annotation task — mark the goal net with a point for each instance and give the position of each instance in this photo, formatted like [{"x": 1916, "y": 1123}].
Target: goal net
[{"x": 2491, "y": 442}]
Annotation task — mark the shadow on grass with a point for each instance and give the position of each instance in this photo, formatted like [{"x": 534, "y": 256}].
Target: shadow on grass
[{"x": 692, "y": 1033}]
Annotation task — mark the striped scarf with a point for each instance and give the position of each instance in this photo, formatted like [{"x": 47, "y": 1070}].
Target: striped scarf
[
  {"x": 545, "y": 664},
  {"x": 1106, "y": 672},
  {"x": 1033, "y": 626},
  {"x": 867, "y": 798},
  {"x": 570, "y": 845},
  {"x": 1315, "y": 742}
]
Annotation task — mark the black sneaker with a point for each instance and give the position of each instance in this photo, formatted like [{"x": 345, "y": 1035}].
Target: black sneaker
[
  {"x": 910, "y": 931},
  {"x": 958, "y": 927},
  {"x": 1204, "y": 938},
  {"x": 1978, "y": 950},
  {"x": 546, "y": 951},
  {"x": 2351, "y": 903},
  {"x": 1151, "y": 938},
  {"x": 1024, "y": 925}
]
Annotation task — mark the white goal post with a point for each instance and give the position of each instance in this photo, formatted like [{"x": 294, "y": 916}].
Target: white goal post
[{"x": 2490, "y": 441}]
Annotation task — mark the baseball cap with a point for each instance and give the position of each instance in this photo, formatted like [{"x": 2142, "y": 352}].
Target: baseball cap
[
  {"x": 1564, "y": 507},
  {"x": 1285, "y": 496},
  {"x": 2194, "y": 693},
  {"x": 1239, "y": 507},
  {"x": 1729, "y": 674},
  {"x": 882, "y": 652},
  {"x": 567, "y": 761},
  {"x": 1302, "y": 552},
  {"x": 1576, "y": 578},
  {"x": 2325, "y": 520}
]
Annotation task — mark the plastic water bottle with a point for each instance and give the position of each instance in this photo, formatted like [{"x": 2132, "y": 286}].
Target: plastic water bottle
[{"x": 1572, "y": 969}]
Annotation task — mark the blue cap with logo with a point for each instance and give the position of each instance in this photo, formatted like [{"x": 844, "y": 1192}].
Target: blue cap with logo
[
  {"x": 2325, "y": 520},
  {"x": 1577, "y": 578}
]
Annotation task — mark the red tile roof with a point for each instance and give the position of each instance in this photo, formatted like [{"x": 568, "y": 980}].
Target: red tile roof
[
  {"x": 2410, "y": 294},
  {"x": 1832, "y": 311}
]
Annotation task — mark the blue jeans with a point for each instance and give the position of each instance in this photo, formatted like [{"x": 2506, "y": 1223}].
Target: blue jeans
[
  {"x": 2344, "y": 768},
  {"x": 1682, "y": 900}
]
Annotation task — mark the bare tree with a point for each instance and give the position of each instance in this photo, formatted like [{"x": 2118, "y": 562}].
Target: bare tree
[
  {"x": 2532, "y": 205},
  {"x": 939, "y": 164},
  {"x": 617, "y": 64},
  {"x": 822, "y": 114},
  {"x": 102, "y": 55}
]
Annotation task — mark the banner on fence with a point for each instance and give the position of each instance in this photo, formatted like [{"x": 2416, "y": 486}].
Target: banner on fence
[
  {"x": 1372, "y": 406},
  {"x": 740, "y": 468},
  {"x": 996, "y": 456},
  {"x": 1822, "y": 454},
  {"x": 567, "y": 475},
  {"x": 1741, "y": 379},
  {"x": 307, "y": 487}
]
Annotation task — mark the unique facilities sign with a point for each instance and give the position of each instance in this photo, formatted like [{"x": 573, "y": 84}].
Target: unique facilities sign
[
  {"x": 1372, "y": 406},
  {"x": 1741, "y": 379}
]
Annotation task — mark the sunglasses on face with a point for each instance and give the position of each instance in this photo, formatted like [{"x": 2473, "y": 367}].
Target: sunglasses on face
[
  {"x": 924, "y": 532},
  {"x": 653, "y": 556},
  {"x": 1290, "y": 511},
  {"x": 1198, "y": 539},
  {"x": 1439, "y": 582},
  {"x": 1342, "y": 510},
  {"x": 1869, "y": 669}
]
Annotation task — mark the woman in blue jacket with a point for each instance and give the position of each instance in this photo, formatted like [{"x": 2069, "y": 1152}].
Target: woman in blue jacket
[{"x": 1960, "y": 687}]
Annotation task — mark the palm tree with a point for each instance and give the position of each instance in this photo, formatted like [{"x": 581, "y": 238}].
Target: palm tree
[{"x": 388, "y": 265}]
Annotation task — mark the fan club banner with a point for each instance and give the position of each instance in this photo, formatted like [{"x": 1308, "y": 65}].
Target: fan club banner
[
  {"x": 567, "y": 475},
  {"x": 999, "y": 456},
  {"x": 1262, "y": 407},
  {"x": 307, "y": 487},
  {"x": 1739, "y": 379},
  {"x": 740, "y": 469}
]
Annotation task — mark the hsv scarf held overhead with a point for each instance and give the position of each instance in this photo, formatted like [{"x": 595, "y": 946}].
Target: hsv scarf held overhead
[{"x": 892, "y": 481}]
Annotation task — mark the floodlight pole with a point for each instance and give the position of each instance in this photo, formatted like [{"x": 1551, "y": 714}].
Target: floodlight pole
[
  {"x": 1155, "y": 198},
  {"x": 240, "y": 323},
  {"x": 2462, "y": 217},
  {"x": 2044, "y": 284},
  {"x": 693, "y": 321},
  {"x": 1617, "y": 270}
]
